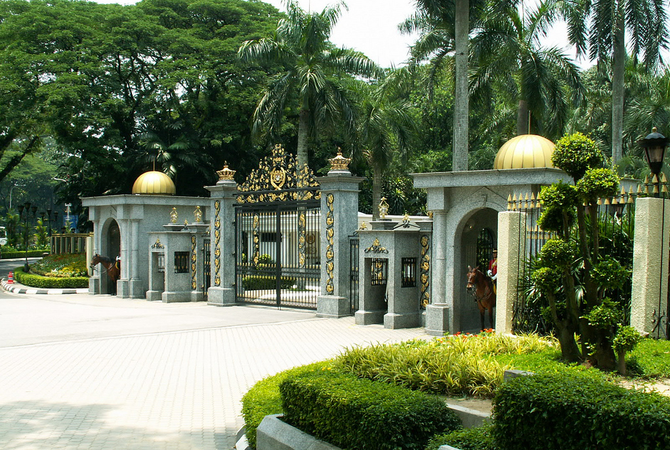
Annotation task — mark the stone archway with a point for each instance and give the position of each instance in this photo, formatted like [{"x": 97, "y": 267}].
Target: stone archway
[
  {"x": 473, "y": 226},
  {"x": 110, "y": 246}
]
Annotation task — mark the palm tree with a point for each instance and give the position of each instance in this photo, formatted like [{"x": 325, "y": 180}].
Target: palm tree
[
  {"x": 605, "y": 40},
  {"x": 445, "y": 27},
  {"x": 311, "y": 70},
  {"x": 512, "y": 61},
  {"x": 385, "y": 126}
]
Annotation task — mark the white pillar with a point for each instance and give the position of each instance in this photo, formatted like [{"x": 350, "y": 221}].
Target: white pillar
[
  {"x": 650, "y": 263},
  {"x": 511, "y": 253}
]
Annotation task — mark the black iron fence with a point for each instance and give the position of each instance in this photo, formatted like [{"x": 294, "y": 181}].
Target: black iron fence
[{"x": 278, "y": 254}]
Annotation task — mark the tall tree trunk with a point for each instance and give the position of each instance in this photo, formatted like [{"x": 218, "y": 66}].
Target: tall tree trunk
[
  {"x": 522, "y": 118},
  {"x": 618, "y": 68},
  {"x": 461, "y": 94},
  {"x": 302, "y": 155},
  {"x": 376, "y": 190}
]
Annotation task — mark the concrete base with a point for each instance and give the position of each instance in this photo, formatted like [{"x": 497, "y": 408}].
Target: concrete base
[
  {"x": 369, "y": 317},
  {"x": 274, "y": 434},
  {"x": 332, "y": 306},
  {"x": 136, "y": 288},
  {"x": 407, "y": 320},
  {"x": 154, "y": 296},
  {"x": 437, "y": 319},
  {"x": 218, "y": 296},
  {"x": 123, "y": 288},
  {"x": 175, "y": 297},
  {"x": 197, "y": 296},
  {"x": 94, "y": 286}
]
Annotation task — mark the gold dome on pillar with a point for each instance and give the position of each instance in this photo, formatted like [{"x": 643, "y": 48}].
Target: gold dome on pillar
[
  {"x": 525, "y": 151},
  {"x": 154, "y": 183}
]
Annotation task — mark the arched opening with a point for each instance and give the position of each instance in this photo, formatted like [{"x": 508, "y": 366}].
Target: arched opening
[
  {"x": 110, "y": 247},
  {"x": 478, "y": 239}
]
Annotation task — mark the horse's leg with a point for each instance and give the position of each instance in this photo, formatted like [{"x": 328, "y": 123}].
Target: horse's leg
[
  {"x": 491, "y": 316},
  {"x": 482, "y": 314}
]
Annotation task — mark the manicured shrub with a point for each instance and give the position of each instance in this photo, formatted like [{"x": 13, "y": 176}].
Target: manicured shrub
[
  {"x": 355, "y": 413},
  {"x": 38, "y": 281},
  {"x": 573, "y": 412},
  {"x": 258, "y": 282},
  {"x": 461, "y": 364},
  {"x": 478, "y": 438},
  {"x": 264, "y": 399}
]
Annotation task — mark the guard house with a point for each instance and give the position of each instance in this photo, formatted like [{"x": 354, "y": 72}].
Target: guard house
[
  {"x": 465, "y": 207},
  {"x": 124, "y": 226}
]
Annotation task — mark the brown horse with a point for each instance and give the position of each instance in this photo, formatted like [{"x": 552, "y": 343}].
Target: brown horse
[
  {"x": 110, "y": 266},
  {"x": 481, "y": 288}
]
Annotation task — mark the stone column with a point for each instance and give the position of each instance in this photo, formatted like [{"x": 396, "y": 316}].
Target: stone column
[
  {"x": 222, "y": 213},
  {"x": 511, "y": 253},
  {"x": 94, "y": 283},
  {"x": 650, "y": 264},
  {"x": 135, "y": 283},
  {"x": 437, "y": 312},
  {"x": 339, "y": 220}
]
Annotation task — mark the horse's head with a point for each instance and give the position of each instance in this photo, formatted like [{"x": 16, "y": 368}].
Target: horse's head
[
  {"x": 473, "y": 278},
  {"x": 95, "y": 261}
]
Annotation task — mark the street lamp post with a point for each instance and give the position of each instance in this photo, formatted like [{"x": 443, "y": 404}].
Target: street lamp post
[{"x": 654, "y": 151}]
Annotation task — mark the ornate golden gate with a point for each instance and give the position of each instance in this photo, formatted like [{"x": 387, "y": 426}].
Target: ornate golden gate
[{"x": 277, "y": 244}]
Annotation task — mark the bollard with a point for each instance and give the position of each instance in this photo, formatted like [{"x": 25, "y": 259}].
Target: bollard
[{"x": 11, "y": 278}]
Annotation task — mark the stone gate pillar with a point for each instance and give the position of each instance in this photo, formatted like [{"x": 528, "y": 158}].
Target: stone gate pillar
[
  {"x": 650, "y": 265},
  {"x": 339, "y": 220},
  {"x": 511, "y": 255},
  {"x": 222, "y": 229}
]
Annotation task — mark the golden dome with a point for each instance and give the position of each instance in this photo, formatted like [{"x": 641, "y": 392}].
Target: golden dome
[
  {"x": 521, "y": 152},
  {"x": 154, "y": 183}
]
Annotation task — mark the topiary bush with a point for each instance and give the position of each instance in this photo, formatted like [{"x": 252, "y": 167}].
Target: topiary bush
[
  {"x": 351, "y": 412},
  {"x": 572, "y": 412}
]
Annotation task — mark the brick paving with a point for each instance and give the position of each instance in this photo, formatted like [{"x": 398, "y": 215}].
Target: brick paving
[{"x": 98, "y": 372}]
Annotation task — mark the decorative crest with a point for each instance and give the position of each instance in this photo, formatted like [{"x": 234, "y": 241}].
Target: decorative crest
[
  {"x": 226, "y": 174},
  {"x": 376, "y": 247},
  {"x": 197, "y": 214},
  {"x": 339, "y": 162},
  {"x": 174, "y": 215},
  {"x": 278, "y": 179}
]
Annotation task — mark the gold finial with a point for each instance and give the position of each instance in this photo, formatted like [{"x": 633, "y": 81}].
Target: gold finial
[
  {"x": 383, "y": 208},
  {"x": 430, "y": 214},
  {"x": 197, "y": 214},
  {"x": 226, "y": 174},
  {"x": 364, "y": 226},
  {"x": 339, "y": 162},
  {"x": 185, "y": 223},
  {"x": 174, "y": 215},
  {"x": 405, "y": 220}
]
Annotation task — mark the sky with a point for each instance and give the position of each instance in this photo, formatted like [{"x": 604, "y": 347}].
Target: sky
[{"x": 369, "y": 26}]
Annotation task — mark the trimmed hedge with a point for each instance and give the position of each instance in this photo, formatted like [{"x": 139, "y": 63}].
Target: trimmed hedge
[
  {"x": 258, "y": 282},
  {"x": 264, "y": 399},
  {"x": 12, "y": 254},
  {"x": 38, "y": 281},
  {"x": 356, "y": 413},
  {"x": 478, "y": 438},
  {"x": 571, "y": 412}
]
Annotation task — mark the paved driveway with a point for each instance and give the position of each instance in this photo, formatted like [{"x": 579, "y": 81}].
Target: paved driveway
[{"x": 99, "y": 372}]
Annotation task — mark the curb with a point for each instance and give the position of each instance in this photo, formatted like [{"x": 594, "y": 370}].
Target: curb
[{"x": 20, "y": 289}]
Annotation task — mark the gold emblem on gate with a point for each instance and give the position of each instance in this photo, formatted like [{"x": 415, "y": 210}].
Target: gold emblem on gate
[{"x": 278, "y": 178}]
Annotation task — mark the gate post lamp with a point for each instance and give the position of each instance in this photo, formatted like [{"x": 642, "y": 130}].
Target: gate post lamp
[{"x": 654, "y": 150}]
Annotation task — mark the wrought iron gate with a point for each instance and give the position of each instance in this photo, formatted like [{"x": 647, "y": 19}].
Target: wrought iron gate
[
  {"x": 206, "y": 266},
  {"x": 277, "y": 240}
]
